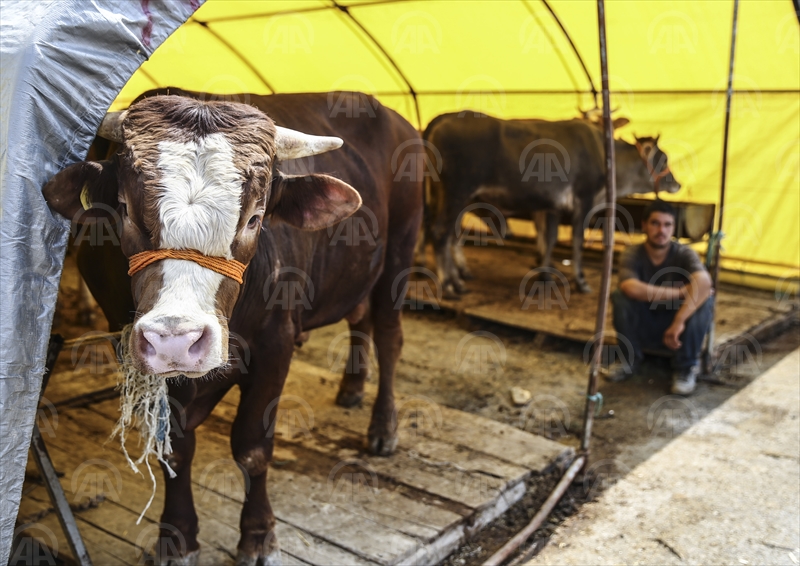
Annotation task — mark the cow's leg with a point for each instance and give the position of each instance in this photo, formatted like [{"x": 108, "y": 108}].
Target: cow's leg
[
  {"x": 252, "y": 436},
  {"x": 86, "y": 316},
  {"x": 577, "y": 248},
  {"x": 177, "y": 543},
  {"x": 540, "y": 222},
  {"x": 550, "y": 236},
  {"x": 356, "y": 372},
  {"x": 461, "y": 261}
]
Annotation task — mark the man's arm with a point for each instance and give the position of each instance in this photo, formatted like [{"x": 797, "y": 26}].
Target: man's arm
[
  {"x": 641, "y": 291},
  {"x": 694, "y": 295}
]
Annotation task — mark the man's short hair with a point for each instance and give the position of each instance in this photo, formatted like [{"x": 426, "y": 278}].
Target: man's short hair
[{"x": 659, "y": 205}]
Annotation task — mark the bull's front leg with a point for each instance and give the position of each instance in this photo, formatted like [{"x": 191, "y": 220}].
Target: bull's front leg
[
  {"x": 252, "y": 437},
  {"x": 356, "y": 372},
  {"x": 577, "y": 247}
]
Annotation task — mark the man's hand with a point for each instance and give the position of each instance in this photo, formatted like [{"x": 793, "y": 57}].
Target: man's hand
[{"x": 672, "y": 335}]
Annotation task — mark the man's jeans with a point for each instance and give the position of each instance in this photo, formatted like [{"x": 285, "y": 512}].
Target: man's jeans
[{"x": 640, "y": 326}]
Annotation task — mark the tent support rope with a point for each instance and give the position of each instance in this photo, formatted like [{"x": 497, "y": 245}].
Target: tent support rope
[{"x": 411, "y": 91}]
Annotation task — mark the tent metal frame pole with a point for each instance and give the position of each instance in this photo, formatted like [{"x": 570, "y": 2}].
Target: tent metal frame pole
[
  {"x": 574, "y": 49},
  {"x": 716, "y": 241},
  {"x": 345, "y": 10},
  {"x": 608, "y": 237}
]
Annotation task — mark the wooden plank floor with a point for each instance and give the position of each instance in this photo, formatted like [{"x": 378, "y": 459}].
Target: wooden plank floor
[
  {"x": 451, "y": 474},
  {"x": 497, "y": 294}
]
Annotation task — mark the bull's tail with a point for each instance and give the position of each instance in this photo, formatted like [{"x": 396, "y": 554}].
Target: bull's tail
[{"x": 427, "y": 192}]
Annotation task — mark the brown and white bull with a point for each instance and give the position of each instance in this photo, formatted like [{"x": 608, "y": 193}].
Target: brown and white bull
[
  {"x": 529, "y": 169},
  {"x": 210, "y": 227}
]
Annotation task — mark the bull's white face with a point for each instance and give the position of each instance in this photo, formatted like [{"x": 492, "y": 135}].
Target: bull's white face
[{"x": 198, "y": 202}]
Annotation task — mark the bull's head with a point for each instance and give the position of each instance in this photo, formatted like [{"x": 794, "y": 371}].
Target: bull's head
[
  {"x": 657, "y": 164},
  {"x": 192, "y": 184}
]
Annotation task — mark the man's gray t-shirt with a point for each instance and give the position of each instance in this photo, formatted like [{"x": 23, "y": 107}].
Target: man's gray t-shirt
[{"x": 680, "y": 263}]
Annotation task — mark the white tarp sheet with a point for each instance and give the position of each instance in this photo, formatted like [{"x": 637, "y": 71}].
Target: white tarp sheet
[{"x": 62, "y": 63}]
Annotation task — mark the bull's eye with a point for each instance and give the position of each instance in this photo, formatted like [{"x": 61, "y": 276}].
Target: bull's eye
[{"x": 254, "y": 221}]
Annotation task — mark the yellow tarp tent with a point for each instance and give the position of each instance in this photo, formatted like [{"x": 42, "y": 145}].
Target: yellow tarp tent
[{"x": 668, "y": 64}]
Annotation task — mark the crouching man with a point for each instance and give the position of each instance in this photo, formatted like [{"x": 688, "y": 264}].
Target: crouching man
[{"x": 664, "y": 299}]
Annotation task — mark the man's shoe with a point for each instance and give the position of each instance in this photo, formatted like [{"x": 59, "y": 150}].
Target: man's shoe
[
  {"x": 620, "y": 372},
  {"x": 684, "y": 381}
]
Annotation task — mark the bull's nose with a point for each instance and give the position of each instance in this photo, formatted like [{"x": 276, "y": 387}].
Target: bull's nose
[{"x": 167, "y": 352}]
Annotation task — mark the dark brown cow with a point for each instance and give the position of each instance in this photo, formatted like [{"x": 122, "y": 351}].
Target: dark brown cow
[
  {"x": 525, "y": 169},
  {"x": 207, "y": 176}
]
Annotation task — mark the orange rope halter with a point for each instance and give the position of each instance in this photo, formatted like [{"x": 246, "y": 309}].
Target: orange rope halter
[{"x": 227, "y": 267}]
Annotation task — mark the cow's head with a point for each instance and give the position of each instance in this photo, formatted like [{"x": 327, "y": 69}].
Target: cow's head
[
  {"x": 656, "y": 162},
  {"x": 195, "y": 178}
]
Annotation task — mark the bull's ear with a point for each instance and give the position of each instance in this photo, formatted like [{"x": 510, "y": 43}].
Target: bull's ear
[
  {"x": 617, "y": 123},
  {"x": 84, "y": 192},
  {"x": 312, "y": 202}
]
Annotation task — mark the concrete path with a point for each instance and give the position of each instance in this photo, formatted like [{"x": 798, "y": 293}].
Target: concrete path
[{"x": 727, "y": 491}]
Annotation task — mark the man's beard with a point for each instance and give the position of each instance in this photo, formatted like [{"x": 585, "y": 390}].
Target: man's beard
[{"x": 658, "y": 246}]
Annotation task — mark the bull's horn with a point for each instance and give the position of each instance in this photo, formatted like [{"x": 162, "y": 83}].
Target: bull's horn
[
  {"x": 111, "y": 126},
  {"x": 291, "y": 144}
]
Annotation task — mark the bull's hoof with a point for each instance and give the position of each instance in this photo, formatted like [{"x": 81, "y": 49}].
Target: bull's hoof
[
  {"x": 349, "y": 399},
  {"x": 381, "y": 441},
  {"x": 158, "y": 559},
  {"x": 271, "y": 559}
]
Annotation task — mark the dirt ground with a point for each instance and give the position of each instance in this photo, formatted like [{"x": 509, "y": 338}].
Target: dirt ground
[{"x": 471, "y": 366}]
